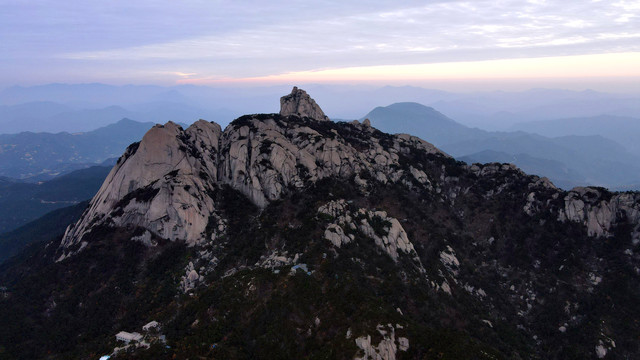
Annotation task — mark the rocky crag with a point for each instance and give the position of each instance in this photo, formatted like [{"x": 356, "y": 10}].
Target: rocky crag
[
  {"x": 291, "y": 236},
  {"x": 162, "y": 183}
]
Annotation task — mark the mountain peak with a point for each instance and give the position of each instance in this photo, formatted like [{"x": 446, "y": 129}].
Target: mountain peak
[{"x": 299, "y": 103}]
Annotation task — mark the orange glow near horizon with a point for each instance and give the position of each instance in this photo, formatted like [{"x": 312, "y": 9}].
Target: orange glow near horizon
[{"x": 575, "y": 66}]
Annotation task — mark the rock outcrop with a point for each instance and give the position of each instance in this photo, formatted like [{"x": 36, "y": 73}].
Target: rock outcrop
[
  {"x": 386, "y": 349},
  {"x": 159, "y": 184},
  {"x": 385, "y": 231},
  {"x": 590, "y": 207},
  {"x": 163, "y": 183},
  {"x": 299, "y": 103}
]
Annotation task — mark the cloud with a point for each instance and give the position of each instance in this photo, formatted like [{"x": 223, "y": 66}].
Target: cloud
[
  {"x": 224, "y": 39},
  {"x": 577, "y": 66}
]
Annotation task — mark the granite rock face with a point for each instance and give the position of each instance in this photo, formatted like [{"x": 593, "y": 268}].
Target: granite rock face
[
  {"x": 386, "y": 349},
  {"x": 588, "y": 206},
  {"x": 163, "y": 183},
  {"x": 159, "y": 184},
  {"x": 299, "y": 103}
]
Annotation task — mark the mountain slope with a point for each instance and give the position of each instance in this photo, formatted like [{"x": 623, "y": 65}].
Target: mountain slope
[
  {"x": 413, "y": 118},
  {"x": 291, "y": 236},
  {"x": 22, "y": 202},
  {"x": 40, "y": 230}
]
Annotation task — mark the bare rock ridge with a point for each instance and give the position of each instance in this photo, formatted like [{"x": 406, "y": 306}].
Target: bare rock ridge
[
  {"x": 299, "y": 103},
  {"x": 164, "y": 183}
]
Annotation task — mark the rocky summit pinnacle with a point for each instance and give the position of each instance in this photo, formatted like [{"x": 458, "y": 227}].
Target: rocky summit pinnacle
[{"x": 299, "y": 103}]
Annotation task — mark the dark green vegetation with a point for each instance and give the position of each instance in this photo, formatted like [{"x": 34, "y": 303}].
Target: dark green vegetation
[
  {"x": 567, "y": 160},
  {"x": 534, "y": 273},
  {"x": 42, "y": 156},
  {"x": 22, "y": 202}
]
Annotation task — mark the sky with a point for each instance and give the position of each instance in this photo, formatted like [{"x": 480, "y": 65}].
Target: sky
[{"x": 217, "y": 42}]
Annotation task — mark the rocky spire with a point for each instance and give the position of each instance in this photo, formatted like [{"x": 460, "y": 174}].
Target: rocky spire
[{"x": 299, "y": 103}]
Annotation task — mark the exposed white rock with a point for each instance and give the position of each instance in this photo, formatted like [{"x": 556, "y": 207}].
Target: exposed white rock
[
  {"x": 601, "y": 351},
  {"x": 336, "y": 235},
  {"x": 145, "y": 238},
  {"x": 445, "y": 287},
  {"x": 403, "y": 344},
  {"x": 388, "y": 234},
  {"x": 531, "y": 207},
  {"x": 157, "y": 186},
  {"x": 419, "y": 175},
  {"x": 275, "y": 259},
  {"x": 595, "y": 279},
  {"x": 543, "y": 182},
  {"x": 449, "y": 260},
  {"x": 299, "y": 103},
  {"x": 562, "y": 329},
  {"x": 586, "y": 205},
  {"x": 395, "y": 239},
  {"x": 189, "y": 281},
  {"x": 386, "y": 349},
  {"x": 334, "y": 208}
]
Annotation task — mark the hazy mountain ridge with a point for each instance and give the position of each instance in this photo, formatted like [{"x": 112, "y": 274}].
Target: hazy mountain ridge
[
  {"x": 22, "y": 202},
  {"x": 54, "y": 117},
  {"x": 531, "y": 165},
  {"x": 589, "y": 160},
  {"x": 497, "y": 110},
  {"x": 328, "y": 240},
  {"x": 624, "y": 130},
  {"x": 27, "y": 154}
]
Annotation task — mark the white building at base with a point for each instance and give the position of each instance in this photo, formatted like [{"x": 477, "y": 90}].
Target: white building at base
[{"x": 128, "y": 337}]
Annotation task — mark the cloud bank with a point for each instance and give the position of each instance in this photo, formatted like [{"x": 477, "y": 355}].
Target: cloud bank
[{"x": 197, "y": 39}]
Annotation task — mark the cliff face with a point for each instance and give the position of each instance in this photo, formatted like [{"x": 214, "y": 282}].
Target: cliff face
[
  {"x": 600, "y": 212},
  {"x": 299, "y": 103},
  {"x": 287, "y": 235}
]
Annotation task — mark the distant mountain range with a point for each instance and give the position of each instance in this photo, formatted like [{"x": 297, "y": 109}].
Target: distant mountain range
[
  {"x": 43, "y": 156},
  {"x": 494, "y": 110},
  {"x": 552, "y": 169},
  {"x": 567, "y": 160},
  {"x": 45, "y": 116},
  {"x": 22, "y": 202},
  {"x": 624, "y": 130}
]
